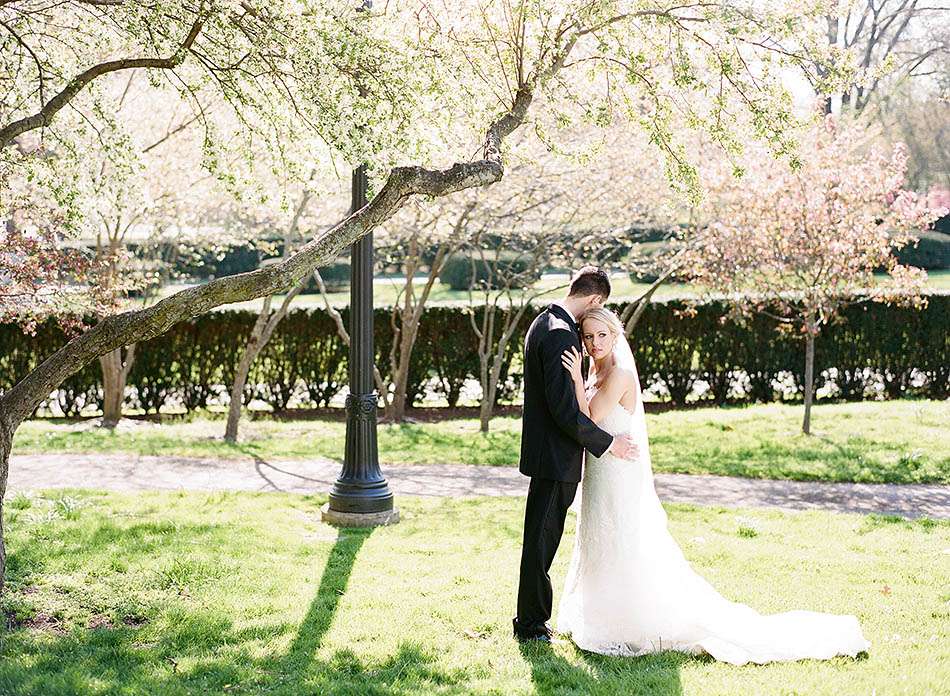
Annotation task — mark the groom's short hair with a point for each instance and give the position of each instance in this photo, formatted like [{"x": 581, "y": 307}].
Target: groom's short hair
[{"x": 590, "y": 280}]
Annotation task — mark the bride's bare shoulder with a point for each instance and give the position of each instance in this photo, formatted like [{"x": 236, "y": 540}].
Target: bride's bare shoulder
[
  {"x": 619, "y": 381},
  {"x": 626, "y": 376}
]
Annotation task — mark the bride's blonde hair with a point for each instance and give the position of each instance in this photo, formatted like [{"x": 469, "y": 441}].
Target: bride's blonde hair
[
  {"x": 623, "y": 355},
  {"x": 605, "y": 315}
]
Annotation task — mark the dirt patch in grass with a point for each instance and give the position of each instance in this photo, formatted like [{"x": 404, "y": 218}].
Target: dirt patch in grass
[
  {"x": 41, "y": 621},
  {"x": 99, "y": 621},
  {"x": 134, "y": 620}
]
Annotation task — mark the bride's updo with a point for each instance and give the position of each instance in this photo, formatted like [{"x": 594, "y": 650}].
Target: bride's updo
[{"x": 606, "y": 316}]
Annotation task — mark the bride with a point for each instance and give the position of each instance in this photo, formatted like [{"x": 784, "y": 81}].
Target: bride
[{"x": 629, "y": 590}]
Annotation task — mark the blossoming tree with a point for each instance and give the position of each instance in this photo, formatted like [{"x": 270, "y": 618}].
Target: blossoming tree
[{"x": 799, "y": 243}]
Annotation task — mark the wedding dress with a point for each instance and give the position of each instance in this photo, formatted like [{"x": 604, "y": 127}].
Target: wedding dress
[{"x": 630, "y": 591}]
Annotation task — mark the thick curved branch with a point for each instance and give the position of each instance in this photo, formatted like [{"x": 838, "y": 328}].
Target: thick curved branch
[{"x": 44, "y": 116}]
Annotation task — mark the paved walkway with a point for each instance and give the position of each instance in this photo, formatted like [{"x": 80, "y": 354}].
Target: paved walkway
[{"x": 131, "y": 473}]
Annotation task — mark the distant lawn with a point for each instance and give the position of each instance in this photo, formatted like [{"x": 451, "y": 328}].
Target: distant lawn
[
  {"x": 238, "y": 593},
  {"x": 385, "y": 291},
  {"x": 891, "y": 441},
  {"x": 938, "y": 280}
]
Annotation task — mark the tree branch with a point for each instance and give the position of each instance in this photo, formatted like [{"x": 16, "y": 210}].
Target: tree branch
[{"x": 44, "y": 116}]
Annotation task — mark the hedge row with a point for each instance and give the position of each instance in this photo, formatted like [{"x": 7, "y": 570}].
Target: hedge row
[
  {"x": 931, "y": 251},
  {"x": 872, "y": 344},
  {"x": 893, "y": 349}
]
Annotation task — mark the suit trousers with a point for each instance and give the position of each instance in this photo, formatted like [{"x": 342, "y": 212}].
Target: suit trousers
[{"x": 545, "y": 512}]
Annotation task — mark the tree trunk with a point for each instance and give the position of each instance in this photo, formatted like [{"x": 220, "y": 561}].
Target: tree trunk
[
  {"x": 260, "y": 335},
  {"x": 809, "y": 379},
  {"x": 487, "y": 406},
  {"x": 832, "y": 34},
  {"x": 485, "y": 410},
  {"x": 485, "y": 335},
  {"x": 634, "y": 310},
  {"x": 115, "y": 374},
  {"x": 411, "y": 317},
  {"x": 407, "y": 339},
  {"x": 263, "y": 328},
  {"x": 236, "y": 405},
  {"x": 251, "y": 350},
  {"x": 6, "y": 444},
  {"x": 490, "y": 377}
]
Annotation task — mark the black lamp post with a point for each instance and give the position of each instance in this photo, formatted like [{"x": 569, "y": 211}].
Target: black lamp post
[{"x": 361, "y": 497}]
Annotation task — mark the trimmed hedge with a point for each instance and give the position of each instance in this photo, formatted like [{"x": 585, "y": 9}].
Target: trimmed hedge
[
  {"x": 875, "y": 350},
  {"x": 463, "y": 270},
  {"x": 931, "y": 251}
]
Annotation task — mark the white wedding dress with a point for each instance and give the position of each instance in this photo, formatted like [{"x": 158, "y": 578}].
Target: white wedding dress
[{"x": 629, "y": 590}]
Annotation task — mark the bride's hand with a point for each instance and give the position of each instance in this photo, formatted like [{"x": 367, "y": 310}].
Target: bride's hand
[{"x": 571, "y": 359}]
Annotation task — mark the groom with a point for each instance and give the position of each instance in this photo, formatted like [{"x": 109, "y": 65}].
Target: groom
[{"x": 554, "y": 435}]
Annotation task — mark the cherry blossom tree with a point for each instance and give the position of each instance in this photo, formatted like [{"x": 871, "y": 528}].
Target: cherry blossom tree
[
  {"x": 801, "y": 243},
  {"x": 559, "y": 209},
  {"x": 419, "y": 240},
  {"x": 39, "y": 270},
  {"x": 151, "y": 191}
]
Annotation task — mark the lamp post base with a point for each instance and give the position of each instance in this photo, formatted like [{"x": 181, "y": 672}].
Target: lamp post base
[{"x": 358, "y": 519}]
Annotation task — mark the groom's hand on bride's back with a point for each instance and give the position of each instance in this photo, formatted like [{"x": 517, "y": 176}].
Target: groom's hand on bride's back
[{"x": 624, "y": 447}]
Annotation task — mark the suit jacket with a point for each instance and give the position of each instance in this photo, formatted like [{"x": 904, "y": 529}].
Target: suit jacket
[{"x": 554, "y": 432}]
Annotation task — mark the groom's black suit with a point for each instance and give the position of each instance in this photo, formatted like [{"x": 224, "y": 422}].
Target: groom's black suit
[{"x": 554, "y": 435}]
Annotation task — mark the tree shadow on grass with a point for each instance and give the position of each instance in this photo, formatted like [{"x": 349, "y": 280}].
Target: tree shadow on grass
[
  {"x": 29, "y": 558},
  {"x": 198, "y": 651},
  {"x": 554, "y": 675}
]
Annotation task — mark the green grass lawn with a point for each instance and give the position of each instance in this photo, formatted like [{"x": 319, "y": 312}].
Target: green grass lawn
[
  {"x": 938, "y": 280},
  {"x": 234, "y": 593},
  {"x": 385, "y": 291},
  {"x": 890, "y": 441}
]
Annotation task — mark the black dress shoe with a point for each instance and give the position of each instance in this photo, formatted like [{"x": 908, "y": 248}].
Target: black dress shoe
[
  {"x": 536, "y": 638},
  {"x": 543, "y": 633}
]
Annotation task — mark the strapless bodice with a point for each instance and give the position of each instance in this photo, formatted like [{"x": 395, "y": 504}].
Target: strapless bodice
[{"x": 618, "y": 421}]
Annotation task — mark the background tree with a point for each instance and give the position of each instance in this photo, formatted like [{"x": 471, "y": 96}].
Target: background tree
[
  {"x": 317, "y": 201},
  {"x": 889, "y": 44},
  {"x": 148, "y": 193},
  {"x": 267, "y": 320},
  {"x": 801, "y": 243},
  {"x": 921, "y": 120},
  {"x": 418, "y": 240},
  {"x": 560, "y": 210}
]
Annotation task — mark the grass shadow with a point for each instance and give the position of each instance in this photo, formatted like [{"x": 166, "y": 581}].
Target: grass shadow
[
  {"x": 196, "y": 649},
  {"x": 323, "y": 607},
  {"x": 554, "y": 675}
]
